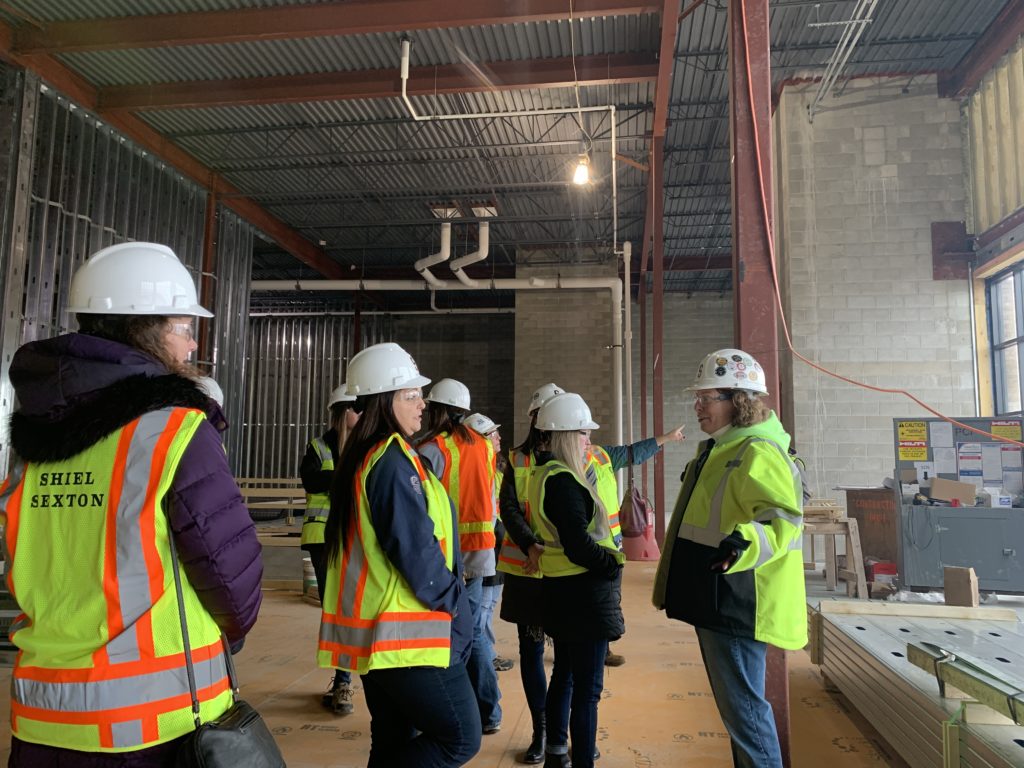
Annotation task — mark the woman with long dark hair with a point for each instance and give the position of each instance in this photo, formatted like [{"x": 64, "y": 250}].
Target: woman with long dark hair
[
  {"x": 118, "y": 455},
  {"x": 394, "y": 607}
]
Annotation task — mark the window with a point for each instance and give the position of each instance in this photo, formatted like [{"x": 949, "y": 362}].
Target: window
[{"x": 1006, "y": 320}]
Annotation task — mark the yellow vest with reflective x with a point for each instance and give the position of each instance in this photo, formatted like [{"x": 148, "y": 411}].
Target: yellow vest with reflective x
[
  {"x": 101, "y": 666},
  {"x": 607, "y": 487},
  {"x": 371, "y": 617},
  {"x": 511, "y": 558},
  {"x": 318, "y": 505},
  {"x": 554, "y": 561}
]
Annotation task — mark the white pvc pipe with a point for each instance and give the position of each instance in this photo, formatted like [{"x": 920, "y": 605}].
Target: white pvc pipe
[
  {"x": 406, "y": 46},
  {"x": 612, "y": 284},
  {"x": 472, "y": 258},
  {"x": 423, "y": 265}
]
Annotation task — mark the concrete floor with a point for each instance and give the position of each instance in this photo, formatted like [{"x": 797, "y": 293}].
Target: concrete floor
[{"x": 657, "y": 709}]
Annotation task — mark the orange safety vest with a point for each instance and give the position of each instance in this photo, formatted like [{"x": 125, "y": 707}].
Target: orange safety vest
[
  {"x": 371, "y": 617},
  {"x": 468, "y": 478},
  {"x": 101, "y": 666}
]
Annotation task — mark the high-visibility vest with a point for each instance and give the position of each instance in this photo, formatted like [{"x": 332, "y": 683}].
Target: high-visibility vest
[
  {"x": 607, "y": 487},
  {"x": 468, "y": 478},
  {"x": 554, "y": 561},
  {"x": 511, "y": 558},
  {"x": 371, "y": 617},
  {"x": 101, "y": 666},
  {"x": 318, "y": 505}
]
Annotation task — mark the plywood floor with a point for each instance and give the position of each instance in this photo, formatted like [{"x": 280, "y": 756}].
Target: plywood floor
[{"x": 657, "y": 709}]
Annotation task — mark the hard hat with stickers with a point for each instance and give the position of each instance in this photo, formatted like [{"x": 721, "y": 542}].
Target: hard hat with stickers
[{"x": 730, "y": 369}]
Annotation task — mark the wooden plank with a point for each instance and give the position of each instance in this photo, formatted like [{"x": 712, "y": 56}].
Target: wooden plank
[{"x": 920, "y": 610}]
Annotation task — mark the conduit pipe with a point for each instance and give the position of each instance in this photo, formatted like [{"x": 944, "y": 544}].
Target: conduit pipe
[
  {"x": 472, "y": 258},
  {"x": 611, "y": 284},
  {"x": 424, "y": 264},
  {"x": 610, "y": 108}
]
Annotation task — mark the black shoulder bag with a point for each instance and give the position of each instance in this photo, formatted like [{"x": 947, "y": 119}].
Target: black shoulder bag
[{"x": 237, "y": 739}]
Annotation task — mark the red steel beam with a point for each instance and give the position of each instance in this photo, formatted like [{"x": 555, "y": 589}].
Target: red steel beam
[
  {"x": 756, "y": 318},
  {"x": 333, "y": 19},
  {"x": 380, "y": 84},
  {"x": 84, "y": 93},
  {"x": 1000, "y": 36}
]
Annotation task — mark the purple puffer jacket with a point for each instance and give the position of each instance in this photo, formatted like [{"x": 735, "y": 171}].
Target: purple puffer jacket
[{"x": 76, "y": 389}]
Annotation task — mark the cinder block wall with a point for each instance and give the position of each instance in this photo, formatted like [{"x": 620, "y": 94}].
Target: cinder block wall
[
  {"x": 694, "y": 327},
  {"x": 857, "y": 191},
  {"x": 564, "y": 336},
  {"x": 476, "y": 349}
]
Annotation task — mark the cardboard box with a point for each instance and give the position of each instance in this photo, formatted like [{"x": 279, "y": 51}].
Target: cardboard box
[
  {"x": 948, "y": 490},
  {"x": 960, "y": 586}
]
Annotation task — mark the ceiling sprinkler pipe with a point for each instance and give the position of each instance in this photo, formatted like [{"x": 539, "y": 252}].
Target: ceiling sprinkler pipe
[
  {"x": 472, "y": 258},
  {"x": 423, "y": 265}
]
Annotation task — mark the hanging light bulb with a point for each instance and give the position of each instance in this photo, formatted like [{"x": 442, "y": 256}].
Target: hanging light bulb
[{"x": 581, "y": 175}]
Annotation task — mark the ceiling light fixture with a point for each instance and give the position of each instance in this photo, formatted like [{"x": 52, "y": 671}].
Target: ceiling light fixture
[{"x": 581, "y": 175}]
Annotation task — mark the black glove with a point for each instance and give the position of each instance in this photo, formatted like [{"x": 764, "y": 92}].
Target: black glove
[{"x": 728, "y": 551}]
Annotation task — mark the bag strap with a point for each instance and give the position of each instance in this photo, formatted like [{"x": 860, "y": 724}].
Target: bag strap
[{"x": 189, "y": 668}]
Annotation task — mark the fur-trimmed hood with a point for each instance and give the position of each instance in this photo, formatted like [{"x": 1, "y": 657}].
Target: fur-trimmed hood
[{"x": 76, "y": 389}]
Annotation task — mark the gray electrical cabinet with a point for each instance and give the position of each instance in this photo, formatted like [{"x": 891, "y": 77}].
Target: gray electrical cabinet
[{"x": 988, "y": 539}]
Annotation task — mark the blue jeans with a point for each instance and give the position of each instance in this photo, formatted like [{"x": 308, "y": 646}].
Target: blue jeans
[
  {"x": 421, "y": 717},
  {"x": 579, "y": 666},
  {"x": 489, "y": 599},
  {"x": 535, "y": 683},
  {"x": 736, "y": 667},
  {"x": 481, "y": 660}
]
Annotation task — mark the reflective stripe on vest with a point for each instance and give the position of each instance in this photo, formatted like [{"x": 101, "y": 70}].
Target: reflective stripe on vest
[
  {"x": 511, "y": 558},
  {"x": 101, "y": 664},
  {"x": 711, "y": 534},
  {"x": 371, "y": 618},
  {"x": 607, "y": 487},
  {"x": 318, "y": 505},
  {"x": 554, "y": 561},
  {"x": 469, "y": 479}
]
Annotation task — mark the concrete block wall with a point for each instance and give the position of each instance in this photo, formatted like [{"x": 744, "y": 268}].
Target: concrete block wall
[
  {"x": 857, "y": 191},
  {"x": 476, "y": 349},
  {"x": 694, "y": 326},
  {"x": 564, "y": 336}
]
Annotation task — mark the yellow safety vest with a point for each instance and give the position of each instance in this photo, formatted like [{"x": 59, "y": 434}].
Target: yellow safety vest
[
  {"x": 371, "y": 617},
  {"x": 607, "y": 488},
  {"x": 101, "y": 666},
  {"x": 318, "y": 505},
  {"x": 511, "y": 558},
  {"x": 554, "y": 561}
]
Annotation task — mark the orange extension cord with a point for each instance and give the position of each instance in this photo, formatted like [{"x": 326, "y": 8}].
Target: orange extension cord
[{"x": 775, "y": 277}]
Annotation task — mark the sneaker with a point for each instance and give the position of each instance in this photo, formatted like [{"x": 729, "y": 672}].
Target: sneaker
[
  {"x": 614, "y": 660},
  {"x": 339, "y": 700},
  {"x": 492, "y": 728},
  {"x": 502, "y": 664}
]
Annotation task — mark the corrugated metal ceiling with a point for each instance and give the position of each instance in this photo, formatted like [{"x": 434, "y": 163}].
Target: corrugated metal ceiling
[{"x": 360, "y": 176}]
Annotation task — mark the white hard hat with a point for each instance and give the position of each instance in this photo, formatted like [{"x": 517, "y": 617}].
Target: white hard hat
[
  {"x": 134, "y": 279},
  {"x": 542, "y": 395},
  {"x": 382, "y": 368},
  {"x": 212, "y": 389},
  {"x": 449, "y": 392},
  {"x": 730, "y": 369},
  {"x": 565, "y": 412},
  {"x": 480, "y": 424},
  {"x": 340, "y": 396}
]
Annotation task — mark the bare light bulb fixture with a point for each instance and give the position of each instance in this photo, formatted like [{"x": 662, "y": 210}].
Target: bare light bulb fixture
[{"x": 581, "y": 175}]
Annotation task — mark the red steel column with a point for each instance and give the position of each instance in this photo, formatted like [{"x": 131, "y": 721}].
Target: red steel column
[
  {"x": 657, "y": 207},
  {"x": 756, "y": 329}
]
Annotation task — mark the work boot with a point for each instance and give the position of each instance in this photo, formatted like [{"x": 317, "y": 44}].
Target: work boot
[
  {"x": 614, "y": 660},
  {"x": 534, "y": 754},
  {"x": 339, "y": 699},
  {"x": 502, "y": 664},
  {"x": 557, "y": 761}
]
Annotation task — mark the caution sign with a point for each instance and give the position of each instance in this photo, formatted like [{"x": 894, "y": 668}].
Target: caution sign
[
  {"x": 1008, "y": 429},
  {"x": 914, "y": 431},
  {"x": 913, "y": 450}
]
